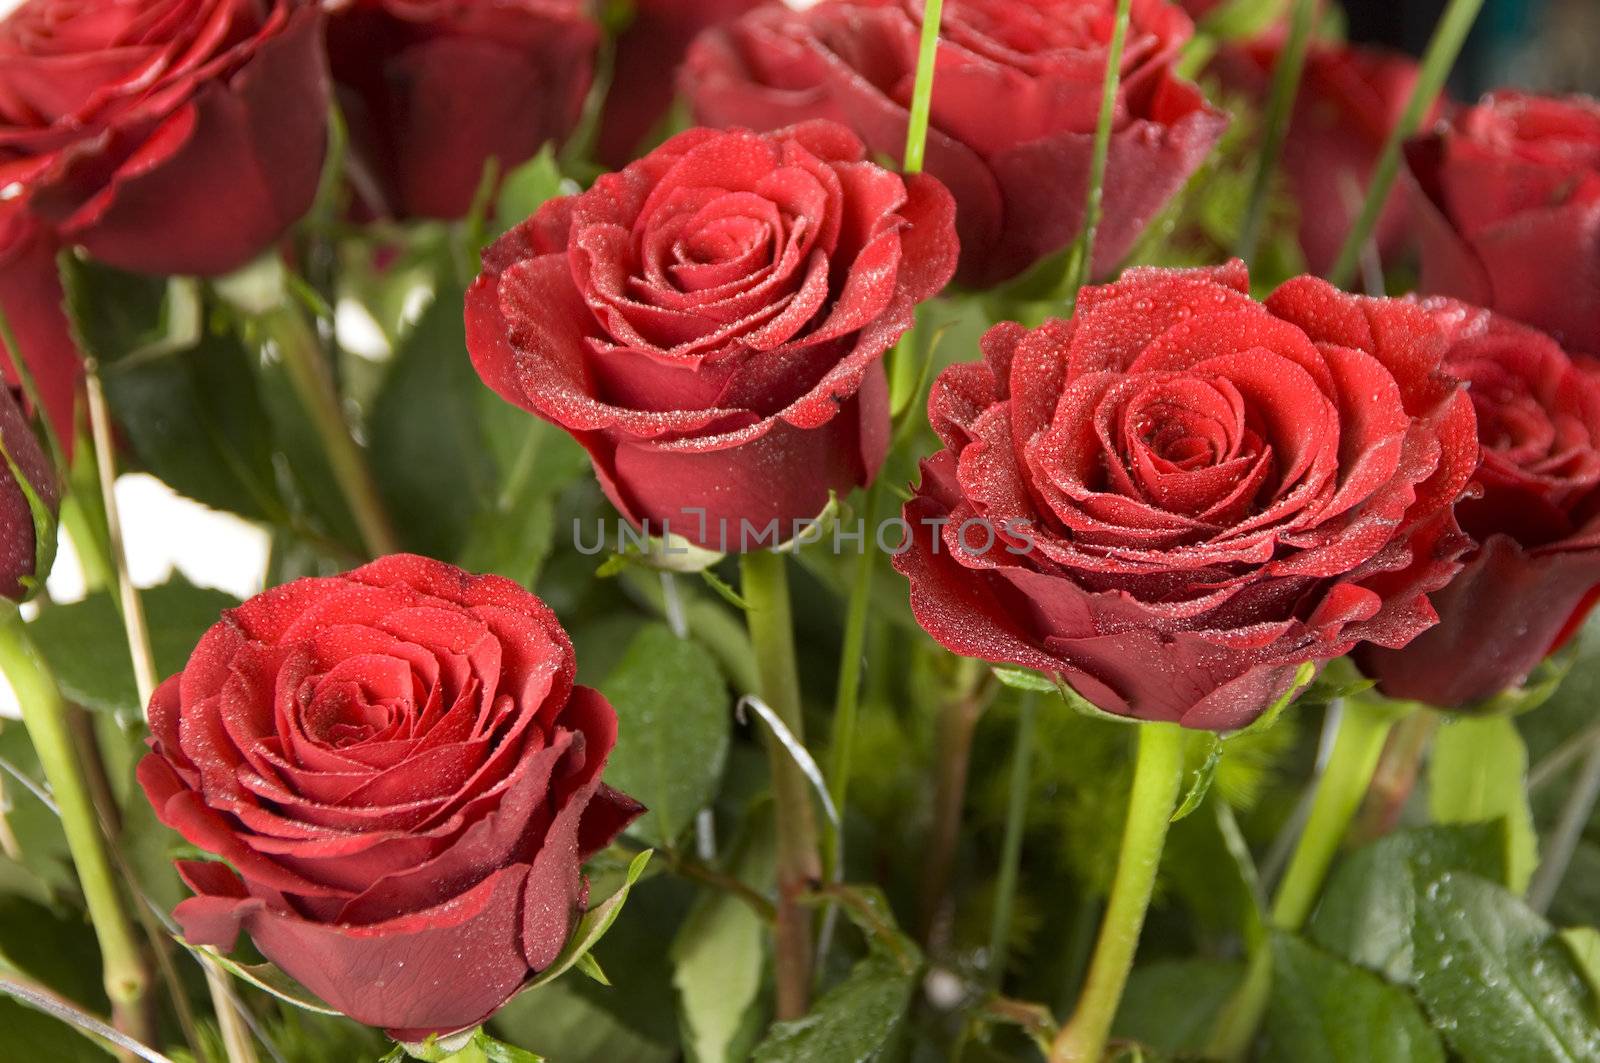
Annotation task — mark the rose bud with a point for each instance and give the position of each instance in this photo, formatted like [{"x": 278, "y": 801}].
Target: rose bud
[
  {"x": 164, "y": 136},
  {"x": 1508, "y": 205},
  {"x": 1014, "y": 108},
  {"x": 1535, "y": 517},
  {"x": 32, "y": 302},
  {"x": 403, "y": 782},
  {"x": 1191, "y": 494},
  {"x": 647, "y": 56},
  {"x": 1349, "y": 99},
  {"x": 21, "y": 455},
  {"x": 710, "y": 323},
  {"x": 433, "y": 91}
]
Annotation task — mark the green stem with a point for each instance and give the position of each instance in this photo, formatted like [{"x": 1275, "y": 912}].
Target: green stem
[
  {"x": 1364, "y": 727},
  {"x": 1011, "y": 848},
  {"x": 308, "y": 372},
  {"x": 922, "y": 88},
  {"x": 1157, "y": 775},
  {"x": 765, "y": 588},
  {"x": 1102, "y": 147},
  {"x": 44, "y": 715},
  {"x": 1448, "y": 37},
  {"x": 1563, "y": 842},
  {"x": 1286, "y": 75},
  {"x": 847, "y": 698}
]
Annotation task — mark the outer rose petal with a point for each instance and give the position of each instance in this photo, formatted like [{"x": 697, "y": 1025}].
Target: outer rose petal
[
  {"x": 31, "y": 298},
  {"x": 1538, "y": 262},
  {"x": 405, "y": 975},
  {"x": 1469, "y": 655},
  {"x": 225, "y": 175}
]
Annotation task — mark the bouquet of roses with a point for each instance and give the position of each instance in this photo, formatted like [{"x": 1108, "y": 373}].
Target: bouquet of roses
[{"x": 863, "y": 530}]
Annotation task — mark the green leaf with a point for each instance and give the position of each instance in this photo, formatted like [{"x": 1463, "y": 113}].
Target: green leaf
[
  {"x": 117, "y": 316},
  {"x": 1496, "y": 981},
  {"x": 588, "y": 965},
  {"x": 195, "y": 419},
  {"x": 85, "y": 645},
  {"x": 1478, "y": 773},
  {"x": 719, "y": 956},
  {"x": 860, "y": 1019},
  {"x": 497, "y": 1051},
  {"x": 1171, "y": 1005},
  {"x": 672, "y": 706},
  {"x": 1023, "y": 679},
  {"x": 1369, "y": 907},
  {"x": 592, "y": 927},
  {"x": 33, "y": 1035},
  {"x": 528, "y": 187},
  {"x": 1324, "y": 1010},
  {"x": 267, "y": 977},
  {"x": 56, "y": 951},
  {"x": 428, "y": 451},
  {"x": 1203, "y": 776}
]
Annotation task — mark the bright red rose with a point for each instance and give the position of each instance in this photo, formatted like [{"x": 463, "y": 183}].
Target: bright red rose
[
  {"x": 1349, "y": 100},
  {"x": 433, "y": 89},
  {"x": 1509, "y": 211},
  {"x": 31, "y": 299},
  {"x": 165, "y": 136},
  {"x": 1014, "y": 108},
  {"x": 647, "y": 57},
  {"x": 710, "y": 322},
  {"x": 400, "y": 774},
  {"x": 1192, "y": 493},
  {"x": 20, "y": 452},
  {"x": 1535, "y": 517}
]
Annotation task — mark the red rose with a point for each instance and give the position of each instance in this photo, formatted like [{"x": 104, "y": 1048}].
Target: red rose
[
  {"x": 1349, "y": 100},
  {"x": 1509, "y": 211},
  {"x": 710, "y": 322},
  {"x": 433, "y": 89},
  {"x": 1536, "y": 518},
  {"x": 400, "y": 774},
  {"x": 165, "y": 136},
  {"x": 31, "y": 300},
  {"x": 1192, "y": 493},
  {"x": 1015, "y": 104},
  {"x": 20, "y": 452},
  {"x": 647, "y": 57}
]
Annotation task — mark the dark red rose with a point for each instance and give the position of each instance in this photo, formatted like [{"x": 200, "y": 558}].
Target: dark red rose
[
  {"x": 20, "y": 452},
  {"x": 1536, "y": 517},
  {"x": 710, "y": 322},
  {"x": 433, "y": 89},
  {"x": 647, "y": 57},
  {"x": 31, "y": 299},
  {"x": 403, "y": 781},
  {"x": 1349, "y": 100},
  {"x": 1192, "y": 493},
  {"x": 165, "y": 136},
  {"x": 1015, "y": 104},
  {"x": 1509, "y": 211}
]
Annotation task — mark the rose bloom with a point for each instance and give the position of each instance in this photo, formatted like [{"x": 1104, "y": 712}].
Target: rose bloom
[
  {"x": 710, "y": 322},
  {"x": 403, "y": 781},
  {"x": 433, "y": 89},
  {"x": 645, "y": 66},
  {"x": 1508, "y": 208},
  {"x": 32, "y": 302},
  {"x": 1349, "y": 99},
  {"x": 165, "y": 136},
  {"x": 1192, "y": 493},
  {"x": 1535, "y": 516},
  {"x": 20, "y": 452},
  {"x": 1014, "y": 108}
]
